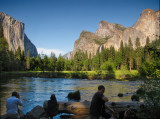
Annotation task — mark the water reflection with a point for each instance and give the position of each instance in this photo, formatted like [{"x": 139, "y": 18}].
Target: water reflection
[{"x": 34, "y": 91}]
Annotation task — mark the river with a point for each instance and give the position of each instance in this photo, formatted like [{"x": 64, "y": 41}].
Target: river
[{"x": 34, "y": 91}]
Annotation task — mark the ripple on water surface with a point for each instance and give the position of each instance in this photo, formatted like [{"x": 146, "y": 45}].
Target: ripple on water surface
[{"x": 34, "y": 91}]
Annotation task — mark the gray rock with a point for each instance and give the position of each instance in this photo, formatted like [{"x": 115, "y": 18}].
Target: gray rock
[
  {"x": 43, "y": 118},
  {"x": 86, "y": 43},
  {"x": 36, "y": 113},
  {"x": 21, "y": 114},
  {"x": 13, "y": 31},
  {"x": 68, "y": 55},
  {"x": 2, "y": 116}
]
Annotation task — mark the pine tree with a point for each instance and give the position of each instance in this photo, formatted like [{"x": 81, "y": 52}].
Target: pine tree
[
  {"x": 104, "y": 56},
  {"x": 146, "y": 50},
  {"x": 46, "y": 63},
  {"x": 1, "y": 31},
  {"x": 52, "y": 60},
  {"x": 12, "y": 61},
  {"x": 28, "y": 61},
  {"x": 130, "y": 52},
  {"x": 78, "y": 60},
  {"x": 138, "y": 53},
  {"x": 18, "y": 53},
  {"x": 147, "y": 41},
  {"x": 90, "y": 62},
  {"x": 117, "y": 60},
  {"x": 122, "y": 53},
  {"x": 95, "y": 63},
  {"x": 60, "y": 63},
  {"x": 39, "y": 62},
  {"x": 4, "y": 59},
  {"x": 112, "y": 53},
  {"x": 67, "y": 65},
  {"x": 33, "y": 63},
  {"x": 23, "y": 60},
  {"x": 86, "y": 65}
]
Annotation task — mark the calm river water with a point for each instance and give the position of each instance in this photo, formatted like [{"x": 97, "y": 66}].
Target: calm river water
[{"x": 34, "y": 91}]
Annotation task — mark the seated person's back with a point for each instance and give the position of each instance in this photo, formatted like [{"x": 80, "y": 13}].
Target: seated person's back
[{"x": 52, "y": 106}]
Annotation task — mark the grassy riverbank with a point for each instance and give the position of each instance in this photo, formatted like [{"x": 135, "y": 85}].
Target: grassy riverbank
[{"x": 118, "y": 74}]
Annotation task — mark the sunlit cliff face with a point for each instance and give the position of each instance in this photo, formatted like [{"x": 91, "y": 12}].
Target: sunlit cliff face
[
  {"x": 13, "y": 31},
  {"x": 146, "y": 26}
]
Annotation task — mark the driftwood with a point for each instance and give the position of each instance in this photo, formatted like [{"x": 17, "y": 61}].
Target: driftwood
[{"x": 82, "y": 108}]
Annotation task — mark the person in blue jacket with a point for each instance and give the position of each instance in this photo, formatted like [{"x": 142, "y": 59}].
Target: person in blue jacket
[{"x": 12, "y": 106}]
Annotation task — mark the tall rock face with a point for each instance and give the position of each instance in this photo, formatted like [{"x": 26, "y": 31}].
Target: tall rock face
[
  {"x": 86, "y": 43},
  {"x": 113, "y": 31},
  {"x": 148, "y": 24},
  {"x": 13, "y": 31},
  {"x": 107, "y": 34}
]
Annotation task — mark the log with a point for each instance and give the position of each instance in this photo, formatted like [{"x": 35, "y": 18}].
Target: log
[
  {"x": 82, "y": 108},
  {"x": 74, "y": 117}
]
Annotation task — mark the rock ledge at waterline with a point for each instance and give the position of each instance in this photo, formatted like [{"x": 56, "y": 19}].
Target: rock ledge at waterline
[{"x": 79, "y": 109}]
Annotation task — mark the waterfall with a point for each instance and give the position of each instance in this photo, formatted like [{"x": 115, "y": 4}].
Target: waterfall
[{"x": 100, "y": 48}]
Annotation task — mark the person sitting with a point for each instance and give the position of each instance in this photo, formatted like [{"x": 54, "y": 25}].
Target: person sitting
[
  {"x": 51, "y": 107},
  {"x": 12, "y": 106}
]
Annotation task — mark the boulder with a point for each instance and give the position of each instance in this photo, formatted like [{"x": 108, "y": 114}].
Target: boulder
[
  {"x": 21, "y": 114},
  {"x": 74, "y": 95},
  {"x": 2, "y": 116},
  {"x": 43, "y": 118},
  {"x": 36, "y": 113}
]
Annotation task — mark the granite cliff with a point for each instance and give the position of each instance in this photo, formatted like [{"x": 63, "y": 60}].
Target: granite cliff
[
  {"x": 108, "y": 34},
  {"x": 13, "y": 31},
  {"x": 68, "y": 55}
]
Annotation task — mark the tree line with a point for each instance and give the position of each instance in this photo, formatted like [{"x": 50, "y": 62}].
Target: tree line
[{"x": 145, "y": 59}]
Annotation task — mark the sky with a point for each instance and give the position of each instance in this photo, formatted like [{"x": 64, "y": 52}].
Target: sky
[{"x": 54, "y": 25}]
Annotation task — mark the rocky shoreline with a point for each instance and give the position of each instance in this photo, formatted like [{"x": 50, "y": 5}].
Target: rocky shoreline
[{"x": 79, "y": 110}]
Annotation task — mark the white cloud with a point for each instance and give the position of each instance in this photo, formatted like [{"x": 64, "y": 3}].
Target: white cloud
[{"x": 48, "y": 51}]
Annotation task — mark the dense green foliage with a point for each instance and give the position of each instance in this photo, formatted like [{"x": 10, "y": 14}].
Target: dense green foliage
[
  {"x": 150, "y": 93},
  {"x": 144, "y": 59}
]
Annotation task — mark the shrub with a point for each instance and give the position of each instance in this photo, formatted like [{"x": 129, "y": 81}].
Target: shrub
[
  {"x": 135, "y": 97},
  {"x": 109, "y": 66},
  {"x": 140, "y": 91},
  {"x": 151, "y": 98},
  {"x": 102, "y": 40},
  {"x": 147, "y": 69}
]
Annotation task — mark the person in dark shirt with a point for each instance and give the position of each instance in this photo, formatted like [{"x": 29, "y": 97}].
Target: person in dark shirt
[
  {"x": 98, "y": 103},
  {"x": 52, "y": 106}
]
